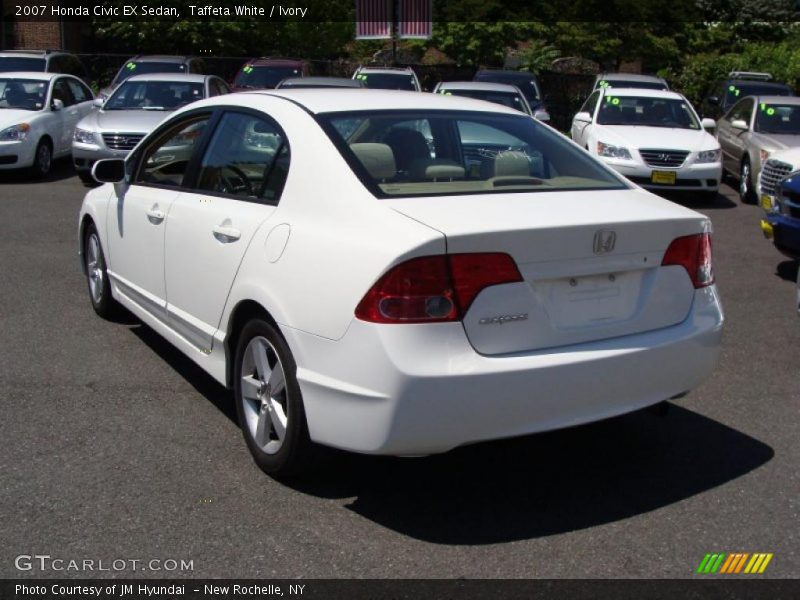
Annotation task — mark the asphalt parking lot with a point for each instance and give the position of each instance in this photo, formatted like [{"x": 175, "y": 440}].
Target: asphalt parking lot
[{"x": 114, "y": 446}]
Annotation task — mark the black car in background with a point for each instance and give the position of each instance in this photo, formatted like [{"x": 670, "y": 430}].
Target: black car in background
[
  {"x": 739, "y": 84},
  {"x": 526, "y": 82}
]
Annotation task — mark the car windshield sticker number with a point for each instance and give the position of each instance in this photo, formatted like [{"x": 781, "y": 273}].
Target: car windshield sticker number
[
  {"x": 604, "y": 84},
  {"x": 130, "y": 66},
  {"x": 614, "y": 101},
  {"x": 767, "y": 109},
  {"x": 248, "y": 69},
  {"x": 734, "y": 90}
]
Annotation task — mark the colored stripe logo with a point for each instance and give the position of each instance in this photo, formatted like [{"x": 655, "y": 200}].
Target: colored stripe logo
[{"x": 734, "y": 563}]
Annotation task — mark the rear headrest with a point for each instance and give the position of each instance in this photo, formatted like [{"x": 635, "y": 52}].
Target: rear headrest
[
  {"x": 511, "y": 162},
  {"x": 378, "y": 159},
  {"x": 432, "y": 169}
]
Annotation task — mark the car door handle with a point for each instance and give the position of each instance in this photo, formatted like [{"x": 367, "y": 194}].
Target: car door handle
[
  {"x": 155, "y": 215},
  {"x": 226, "y": 234}
]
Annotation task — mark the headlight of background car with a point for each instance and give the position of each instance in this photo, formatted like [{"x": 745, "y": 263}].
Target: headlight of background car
[
  {"x": 709, "y": 156},
  {"x": 15, "y": 133},
  {"x": 610, "y": 151},
  {"x": 83, "y": 136}
]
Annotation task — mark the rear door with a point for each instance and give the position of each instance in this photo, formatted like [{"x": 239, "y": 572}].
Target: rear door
[{"x": 235, "y": 189}]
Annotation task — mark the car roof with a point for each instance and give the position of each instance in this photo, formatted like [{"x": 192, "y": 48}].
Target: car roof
[
  {"x": 488, "y": 86},
  {"x": 643, "y": 93},
  {"x": 32, "y": 75},
  {"x": 165, "y": 58},
  {"x": 778, "y": 99},
  {"x": 319, "y": 101},
  {"x": 506, "y": 73},
  {"x": 267, "y": 61},
  {"x": 630, "y": 77},
  {"x": 188, "y": 77},
  {"x": 31, "y": 53},
  {"x": 386, "y": 70},
  {"x": 332, "y": 81},
  {"x": 758, "y": 82}
]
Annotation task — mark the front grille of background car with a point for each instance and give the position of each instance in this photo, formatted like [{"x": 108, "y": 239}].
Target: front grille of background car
[
  {"x": 122, "y": 141},
  {"x": 664, "y": 158},
  {"x": 771, "y": 174}
]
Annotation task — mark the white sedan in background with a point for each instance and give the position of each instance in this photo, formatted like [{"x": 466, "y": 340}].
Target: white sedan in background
[
  {"x": 652, "y": 137},
  {"x": 38, "y": 115},
  {"x": 499, "y": 93},
  {"x": 358, "y": 290}
]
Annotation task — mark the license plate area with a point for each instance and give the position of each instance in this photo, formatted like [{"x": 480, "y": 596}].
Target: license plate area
[
  {"x": 663, "y": 177},
  {"x": 766, "y": 203}
]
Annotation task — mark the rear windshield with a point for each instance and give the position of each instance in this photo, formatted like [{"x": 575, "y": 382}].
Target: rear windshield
[
  {"x": 264, "y": 77},
  {"x": 621, "y": 83},
  {"x": 778, "y": 118},
  {"x": 154, "y": 95},
  {"x": 433, "y": 153},
  {"x": 19, "y": 63},
  {"x": 133, "y": 67},
  {"x": 527, "y": 85},
  {"x": 388, "y": 81},
  {"x": 509, "y": 99},
  {"x": 740, "y": 90}
]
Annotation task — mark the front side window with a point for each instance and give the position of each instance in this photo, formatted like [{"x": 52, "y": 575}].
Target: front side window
[
  {"x": 778, "y": 118},
  {"x": 165, "y": 162},
  {"x": 23, "y": 94},
  {"x": 590, "y": 103},
  {"x": 741, "y": 111},
  {"x": 62, "y": 92},
  {"x": 79, "y": 91},
  {"x": 247, "y": 157},
  {"x": 646, "y": 112},
  {"x": 154, "y": 95},
  {"x": 463, "y": 153}
]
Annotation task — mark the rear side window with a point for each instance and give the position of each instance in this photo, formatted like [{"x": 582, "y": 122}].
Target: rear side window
[
  {"x": 247, "y": 158},
  {"x": 446, "y": 153}
]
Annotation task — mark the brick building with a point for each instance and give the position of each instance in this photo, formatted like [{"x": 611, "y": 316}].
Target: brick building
[{"x": 56, "y": 35}]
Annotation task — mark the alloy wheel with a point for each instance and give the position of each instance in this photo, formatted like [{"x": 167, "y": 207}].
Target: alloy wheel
[{"x": 264, "y": 395}]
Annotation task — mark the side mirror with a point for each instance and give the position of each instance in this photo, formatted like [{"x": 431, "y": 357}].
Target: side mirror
[
  {"x": 714, "y": 100},
  {"x": 57, "y": 105},
  {"x": 109, "y": 170},
  {"x": 98, "y": 102},
  {"x": 583, "y": 117},
  {"x": 542, "y": 115},
  {"x": 709, "y": 124},
  {"x": 739, "y": 124}
]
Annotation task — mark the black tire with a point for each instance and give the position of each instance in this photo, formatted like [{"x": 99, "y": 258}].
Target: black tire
[
  {"x": 747, "y": 192},
  {"x": 42, "y": 159},
  {"x": 295, "y": 452},
  {"x": 94, "y": 262}
]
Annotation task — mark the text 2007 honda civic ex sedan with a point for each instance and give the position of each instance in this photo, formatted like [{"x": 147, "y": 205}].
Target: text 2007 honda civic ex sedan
[{"x": 400, "y": 273}]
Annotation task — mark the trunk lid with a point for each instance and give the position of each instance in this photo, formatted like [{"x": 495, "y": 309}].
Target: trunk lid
[{"x": 577, "y": 285}]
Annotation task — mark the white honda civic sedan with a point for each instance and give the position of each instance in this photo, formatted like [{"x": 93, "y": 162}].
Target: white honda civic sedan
[
  {"x": 400, "y": 273},
  {"x": 653, "y": 137}
]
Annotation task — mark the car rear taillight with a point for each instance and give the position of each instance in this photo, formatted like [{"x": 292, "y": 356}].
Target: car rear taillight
[
  {"x": 434, "y": 289},
  {"x": 693, "y": 253}
]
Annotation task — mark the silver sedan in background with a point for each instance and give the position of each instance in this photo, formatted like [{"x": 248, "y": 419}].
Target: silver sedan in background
[
  {"x": 139, "y": 104},
  {"x": 752, "y": 130}
]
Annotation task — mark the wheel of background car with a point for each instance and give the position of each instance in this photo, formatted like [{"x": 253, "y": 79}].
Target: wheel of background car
[
  {"x": 43, "y": 158},
  {"x": 238, "y": 184},
  {"x": 746, "y": 192},
  {"x": 96, "y": 275},
  {"x": 269, "y": 403}
]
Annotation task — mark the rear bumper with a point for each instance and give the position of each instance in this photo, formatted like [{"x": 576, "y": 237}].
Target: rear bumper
[{"x": 422, "y": 389}]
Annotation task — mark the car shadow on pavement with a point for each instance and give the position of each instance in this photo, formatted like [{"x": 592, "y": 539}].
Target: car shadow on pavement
[
  {"x": 62, "y": 169},
  {"x": 521, "y": 488},
  {"x": 201, "y": 381},
  {"x": 543, "y": 484},
  {"x": 787, "y": 270}
]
